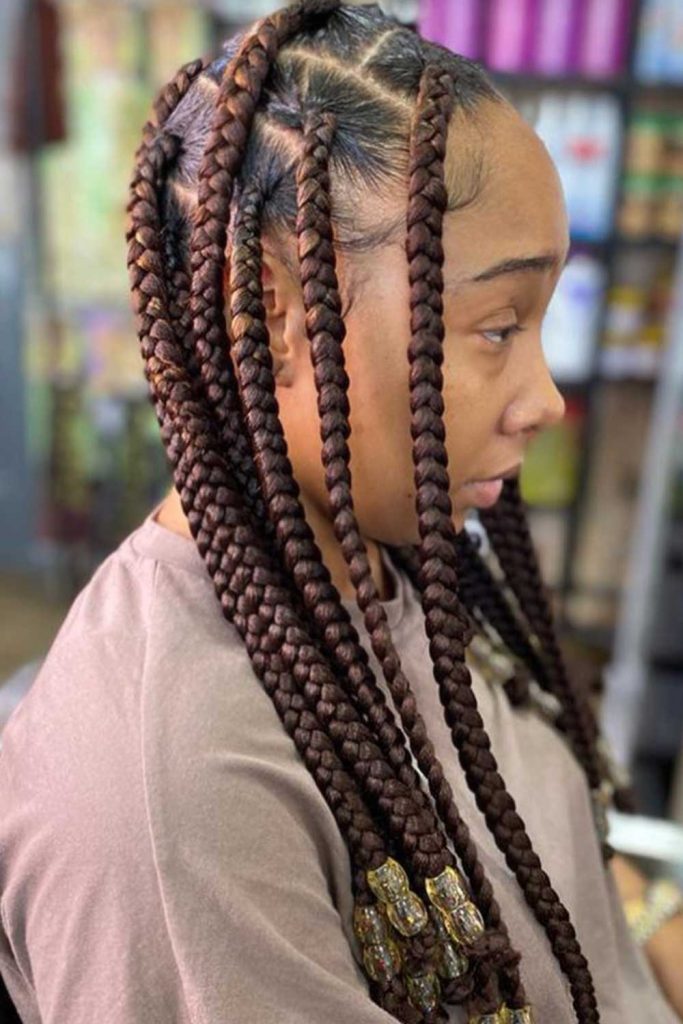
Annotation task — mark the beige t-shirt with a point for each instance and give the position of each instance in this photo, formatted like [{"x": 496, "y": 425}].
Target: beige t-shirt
[{"x": 166, "y": 858}]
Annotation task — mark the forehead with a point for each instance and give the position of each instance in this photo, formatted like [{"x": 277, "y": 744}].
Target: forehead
[{"x": 520, "y": 208}]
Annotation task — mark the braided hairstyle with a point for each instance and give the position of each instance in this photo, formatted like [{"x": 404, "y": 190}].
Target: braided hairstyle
[{"x": 252, "y": 142}]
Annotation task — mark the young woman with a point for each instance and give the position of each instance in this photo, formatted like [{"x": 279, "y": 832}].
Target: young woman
[{"x": 299, "y": 753}]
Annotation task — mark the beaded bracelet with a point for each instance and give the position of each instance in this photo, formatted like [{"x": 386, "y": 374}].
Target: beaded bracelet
[{"x": 662, "y": 900}]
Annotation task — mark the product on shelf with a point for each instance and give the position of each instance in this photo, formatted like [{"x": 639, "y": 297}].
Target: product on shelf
[
  {"x": 459, "y": 26},
  {"x": 510, "y": 35},
  {"x": 652, "y": 201},
  {"x": 604, "y": 37},
  {"x": 621, "y": 422},
  {"x": 582, "y": 133},
  {"x": 571, "y": 322},
  {"x": 659, "y": 50},
  {"x": 548, "y": 37},
  {"x": 556, "y": 38},
  {"x": 635, "y": 319}
]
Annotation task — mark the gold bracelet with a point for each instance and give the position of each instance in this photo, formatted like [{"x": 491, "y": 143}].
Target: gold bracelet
[{"x": 646, "y": 914}]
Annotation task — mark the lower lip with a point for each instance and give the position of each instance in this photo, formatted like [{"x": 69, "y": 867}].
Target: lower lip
[{"x": 483, "y": 493}]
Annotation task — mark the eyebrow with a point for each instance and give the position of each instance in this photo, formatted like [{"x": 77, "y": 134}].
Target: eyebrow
[{"x": 544, "y": 261}]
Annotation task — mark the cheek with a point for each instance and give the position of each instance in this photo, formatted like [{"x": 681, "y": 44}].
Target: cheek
[
  {"x": 474, "y": 402},
  {"x": 298, "y": 405},
  {"x": 380, "y": 442}
]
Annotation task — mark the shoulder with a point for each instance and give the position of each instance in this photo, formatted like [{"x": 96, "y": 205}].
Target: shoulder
[{"x": 147, "y": 721}]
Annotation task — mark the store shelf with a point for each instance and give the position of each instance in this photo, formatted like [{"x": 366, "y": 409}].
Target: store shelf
[{"x": 526, "y": 80}]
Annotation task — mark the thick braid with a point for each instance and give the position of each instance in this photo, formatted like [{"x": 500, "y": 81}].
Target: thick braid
[
  {"x": 443, "y": 619},
  {"x": 480, "y": 590},
  {"x": 147, "y": 185},
  {"x": 251, "y": 594},
  {"x": 149, "y": 175},
  {"x": 469, "y": 591},
  {"x": 508, "y": 529},
  {"x": 238, "y": 96},
  {"x": 325, "y": 329},
  {"x": 512, "y": 543}
]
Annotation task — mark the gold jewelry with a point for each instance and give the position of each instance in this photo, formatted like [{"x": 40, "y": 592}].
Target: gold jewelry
[
  {"x": 462, "y": 919},
  {"x": 381, "y": 955},
  {"x": 646, "y": 914},
  {"x": 505, "y": 1015},
  {"x": 424, "y": 990},
  {"x": 403, "y": 907},
  {"x": 452, "y": 962}
]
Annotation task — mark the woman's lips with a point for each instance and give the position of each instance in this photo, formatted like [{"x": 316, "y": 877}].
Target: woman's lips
[{"x": 482, "y": 493}]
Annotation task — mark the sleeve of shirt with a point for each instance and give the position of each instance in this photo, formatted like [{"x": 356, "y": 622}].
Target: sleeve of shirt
[
  {"x": 152, "y": 873},
  {"x": 83, "y": 931}
]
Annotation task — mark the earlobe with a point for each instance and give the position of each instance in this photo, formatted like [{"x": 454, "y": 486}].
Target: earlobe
[
  {"x": 281, "y": 301},
  {"x": 276, "y": 320},
  {"x": 279, "y": 349}
]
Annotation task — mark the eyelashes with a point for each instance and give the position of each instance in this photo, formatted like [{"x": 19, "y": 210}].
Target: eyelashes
[{"x": 506, "y": 333}]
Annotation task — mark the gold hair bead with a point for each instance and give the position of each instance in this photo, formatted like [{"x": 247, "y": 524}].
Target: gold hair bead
[
  {"x": 464, "y": 924},
  {"x": 460, "y": 916},
  {"x": 447, "y": 890},
  {"x": 389, "y": 881},
  {"x": 369, "y": 926},
  {"x": 407, "y": 914},
  {"x": 424, "y": 991},
  {"x": 381, "y": 955},
  {"x": 601, "y": 799},
  {"x": 452, "y": 962},
  {"x": 499, "y": 1016},
  {"x": 382, "y": 960},
  {"x": 404, "y": 908},
  {"x": 521, "y": 1016}
]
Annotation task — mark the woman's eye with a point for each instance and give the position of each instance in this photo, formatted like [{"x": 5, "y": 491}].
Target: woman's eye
[{"x": 502, "y": 335}]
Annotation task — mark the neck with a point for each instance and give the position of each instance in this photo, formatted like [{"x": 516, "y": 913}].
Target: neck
[{"x": 172, "y": 517}]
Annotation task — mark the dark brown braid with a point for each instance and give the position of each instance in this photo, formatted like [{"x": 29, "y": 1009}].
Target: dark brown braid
[
  {"x": 443, "y": 619},
  {"x": 507, "y": 527},
  {"x": 479, "y": 591},
  {"x": 482, "y": 598},
  {"x": 227, "y": 454},
  {"x": 238, "y": 97}
]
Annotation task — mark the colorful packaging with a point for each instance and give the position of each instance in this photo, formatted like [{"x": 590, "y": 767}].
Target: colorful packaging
[{"x": 511, "y": 34}]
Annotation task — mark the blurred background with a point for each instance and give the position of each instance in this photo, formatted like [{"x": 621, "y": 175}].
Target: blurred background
[{"x": 81, "y": 463}]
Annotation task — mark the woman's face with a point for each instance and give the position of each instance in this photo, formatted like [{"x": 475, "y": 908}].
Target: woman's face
[{"x": 497, "y": 389}]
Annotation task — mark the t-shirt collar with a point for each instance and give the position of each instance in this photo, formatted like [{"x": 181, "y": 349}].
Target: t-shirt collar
[{"x": 153, "y": 540}]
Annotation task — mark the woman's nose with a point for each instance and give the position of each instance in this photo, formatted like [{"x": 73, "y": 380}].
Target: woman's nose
[{"x": 538, "y": 402}]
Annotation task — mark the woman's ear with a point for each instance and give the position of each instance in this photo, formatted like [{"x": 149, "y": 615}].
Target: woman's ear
[
  {"x": 275, "y": 300},
  {"x": 285, "y": 318}
]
